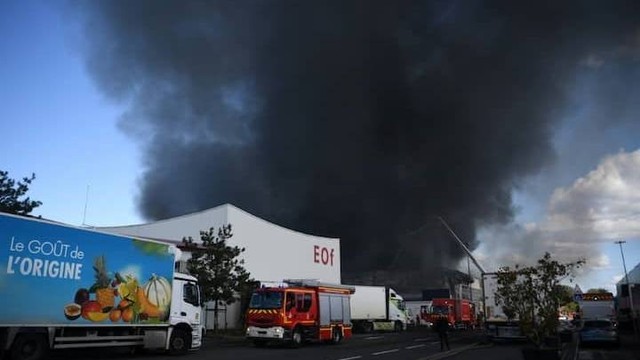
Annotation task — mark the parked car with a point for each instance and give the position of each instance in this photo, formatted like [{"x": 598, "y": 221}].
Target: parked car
[
  {"x": 565, "y": 330},
  {"x": 600, "y": 331},
  {"x": 565, "y": 326}
]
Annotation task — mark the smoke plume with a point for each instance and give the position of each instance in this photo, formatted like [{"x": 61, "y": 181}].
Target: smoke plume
[{"x": 362, "y": 120}]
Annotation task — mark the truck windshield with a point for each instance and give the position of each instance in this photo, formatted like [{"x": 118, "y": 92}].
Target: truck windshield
[
  {"x": 266, "y": 300},
  {"x": 440, "y": 310},
  {"x": 399, "y": 304}
]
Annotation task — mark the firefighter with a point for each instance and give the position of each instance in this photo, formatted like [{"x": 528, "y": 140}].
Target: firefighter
[{"x": 442, "y": 327}]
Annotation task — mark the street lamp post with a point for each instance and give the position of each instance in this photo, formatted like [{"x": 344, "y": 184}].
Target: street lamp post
[
  {"x": 469, "y": 274},
  {"x": 626, "y": 276}
]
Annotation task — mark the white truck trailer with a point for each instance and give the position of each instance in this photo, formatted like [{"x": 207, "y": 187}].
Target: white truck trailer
[
  {"x": 497, "y": 324},
  {"x": 414, "y": 310},
  {"x": 377, "y": 308},
  {"x": 597, "y": 306},
  {"x": 65, "y": 287}
]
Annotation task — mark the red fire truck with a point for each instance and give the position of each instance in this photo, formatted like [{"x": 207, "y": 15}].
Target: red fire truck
[
  {"x": 299, "y": 310},
  {"x": 459, "y": 312}
]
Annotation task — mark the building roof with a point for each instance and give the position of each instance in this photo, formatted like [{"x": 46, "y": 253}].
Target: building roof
[
  {"x": 202, "y": 216},
  {"x": 634, "y": 276},
  {"x": 272, "y": 252}
]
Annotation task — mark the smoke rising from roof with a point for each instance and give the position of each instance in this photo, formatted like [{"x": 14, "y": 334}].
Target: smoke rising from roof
[{"x": 356, "y": 119}]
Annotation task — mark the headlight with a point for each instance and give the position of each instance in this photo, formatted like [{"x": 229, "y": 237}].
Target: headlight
[
  {"x": 278, "y": 330},
  {"x": 247, "y": 332}
]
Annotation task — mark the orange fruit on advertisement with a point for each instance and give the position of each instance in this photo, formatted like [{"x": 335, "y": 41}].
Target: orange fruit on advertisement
[
  {"x": 127, "y": 314},
  {"x": 124, "y": 303},
  {"x": 115, "y": 315}
]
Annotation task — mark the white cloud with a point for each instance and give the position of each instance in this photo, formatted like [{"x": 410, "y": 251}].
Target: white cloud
[
  {"x": 600, "y": 262},
  {"x": 606, "y": 200},
  {"x": 601, "y": 206},
  {"x": 617, "y": 278},
  {"x": 611, "y": 284}
]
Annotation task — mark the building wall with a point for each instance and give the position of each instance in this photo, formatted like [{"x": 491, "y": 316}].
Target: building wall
[{"x": 272, "y": 253}]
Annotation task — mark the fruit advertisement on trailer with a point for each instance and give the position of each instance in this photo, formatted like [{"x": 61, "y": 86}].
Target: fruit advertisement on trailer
[{"x": 52, "y": 274}]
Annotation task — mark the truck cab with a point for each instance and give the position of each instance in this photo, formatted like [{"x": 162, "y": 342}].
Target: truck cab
[
  {"x": 301, "y": 311},
  {"x": 186, "y": 314},
  {"x": 275, "y": 312},
  {"x": 459, "y": 312},
  {"x": 398, "y": 309}
]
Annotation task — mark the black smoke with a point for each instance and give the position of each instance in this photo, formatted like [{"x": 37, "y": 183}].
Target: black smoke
[{"x": 362, "y": 120}]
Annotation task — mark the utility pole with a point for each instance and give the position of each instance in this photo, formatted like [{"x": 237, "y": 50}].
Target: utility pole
[
  {"x": 626, "y": 275},
  {"x": 86, "y": 201}
]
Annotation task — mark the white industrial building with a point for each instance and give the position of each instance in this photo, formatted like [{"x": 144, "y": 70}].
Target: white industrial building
[
  {"x": 628, "y": 294},
  {"x": 272, "y": 253}
]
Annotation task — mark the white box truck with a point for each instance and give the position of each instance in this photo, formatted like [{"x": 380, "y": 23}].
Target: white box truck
[
  {"x": 377, "y": 308},
  {"x": 65, "y": 287},
  {"x": 497, "y": 325},
  {"x": 597, "y": 306},
  {"x": 415, "y": 308}
]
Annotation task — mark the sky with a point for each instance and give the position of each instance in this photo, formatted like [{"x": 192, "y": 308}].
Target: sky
[
  {"x": 62, "y": 121},
  {"x": 58, "y": 126}
]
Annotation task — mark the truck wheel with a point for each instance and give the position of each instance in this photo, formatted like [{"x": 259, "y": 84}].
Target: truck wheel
[
  {"x": 397, "y": 327},
  {"x": 29, "y": 347},
  {"x": 179, "y": 342},
  {"x": 336, "y": 336},
  {"x": 296, "y": 338}
]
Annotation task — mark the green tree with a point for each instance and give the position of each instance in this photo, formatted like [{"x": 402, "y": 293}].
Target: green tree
[
  {"x": 11, "y": 192},
  {"x": 533, "y": 295},
  {"x": 566, "y": 294},
  {"x": 566, "y": 299},
  {"x": 572, "y": 307},
  {"x": 597, "y": 291},
  {"x": 220, "y": 272}
]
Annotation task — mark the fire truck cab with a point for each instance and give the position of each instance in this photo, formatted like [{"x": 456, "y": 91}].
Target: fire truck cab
[
  {"x": 459, "y": 312},
  {"x": 299, "y": 310}
]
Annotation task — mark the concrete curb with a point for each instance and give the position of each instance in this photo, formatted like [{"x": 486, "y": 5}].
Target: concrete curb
[{"x": 446, "y": 354}]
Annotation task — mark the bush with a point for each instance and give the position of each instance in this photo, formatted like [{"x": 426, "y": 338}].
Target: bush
[{"x": 532, "y": 295}]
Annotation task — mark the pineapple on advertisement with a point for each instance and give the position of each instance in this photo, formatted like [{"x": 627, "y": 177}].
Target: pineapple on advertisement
[{"x": 104, "y": 293}]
